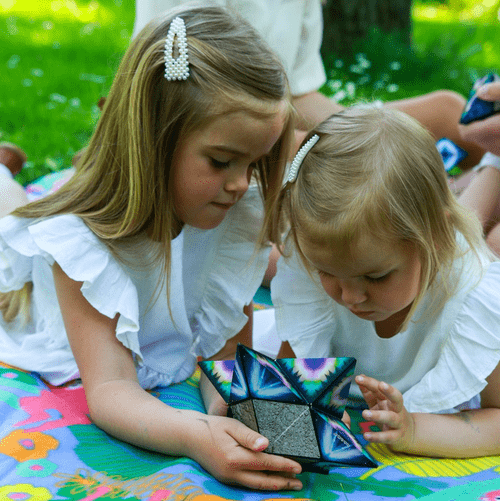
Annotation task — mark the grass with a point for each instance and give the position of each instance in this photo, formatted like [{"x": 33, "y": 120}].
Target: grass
[
  {"x": 447, "y": 54},
  {"x": 58, "y": 58}
]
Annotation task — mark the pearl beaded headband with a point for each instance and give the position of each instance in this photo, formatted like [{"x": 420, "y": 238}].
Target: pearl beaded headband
[
  {"x": 176, "y": 68},
  {"x": 299, "y": 158}
]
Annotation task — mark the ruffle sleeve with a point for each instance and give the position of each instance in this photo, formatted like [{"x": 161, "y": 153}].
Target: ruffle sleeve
[
  {"x": 82, "y": 256},
  {"x": 470, "y": 354},
  {"x": 235, "y": 272},
  {"x": 16, "y": 253}
]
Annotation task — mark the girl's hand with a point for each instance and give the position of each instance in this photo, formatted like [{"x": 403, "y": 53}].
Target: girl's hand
[
  {"x": 387, "y": 410},
  {"x": 232, "y": 453}
]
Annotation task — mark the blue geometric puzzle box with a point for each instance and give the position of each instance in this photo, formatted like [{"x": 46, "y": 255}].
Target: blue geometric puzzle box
[
  {"x": 476, "y": 108},
  {"x": 451, "y": 154},
  {"x": 297, "y": 403}
]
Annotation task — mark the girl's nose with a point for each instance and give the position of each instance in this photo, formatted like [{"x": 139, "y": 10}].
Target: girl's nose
[
  {"x": 238, "y": 180},
  {"x": 352, "y": 293}
]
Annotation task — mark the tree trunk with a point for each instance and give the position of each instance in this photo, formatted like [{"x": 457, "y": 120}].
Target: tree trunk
[{"x": 347, "y": 21}]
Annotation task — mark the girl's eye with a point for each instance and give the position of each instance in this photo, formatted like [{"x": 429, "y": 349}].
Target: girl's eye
[
  {"x": 377, "y": 279},
  {"x": 218, "y": 164}
]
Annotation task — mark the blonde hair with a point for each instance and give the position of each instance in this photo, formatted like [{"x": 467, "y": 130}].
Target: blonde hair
[
  {"x": 121, "y": 185},
  {"x": 377, "y": 172}
]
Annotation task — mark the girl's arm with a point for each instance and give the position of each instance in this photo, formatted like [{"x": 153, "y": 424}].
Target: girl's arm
[
  {"x": 226, "y": 448},
  {"x": 470, "y": 433}
]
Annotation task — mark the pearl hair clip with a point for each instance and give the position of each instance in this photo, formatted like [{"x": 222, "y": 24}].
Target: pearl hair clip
[
  {"x": 299, "y": 157},
  {"x": 176, "y": 68}
]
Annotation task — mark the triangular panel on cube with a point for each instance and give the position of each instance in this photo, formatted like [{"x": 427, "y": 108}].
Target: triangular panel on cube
[
  {"x": 239, "y": 386},
  {"x": 311, "y": 376},
  {"x": 220, "y": 373},
  {"x": 334, "y": 398},
  {"x": 265, "y": 379},
  {"x": 338, "y": 444}
]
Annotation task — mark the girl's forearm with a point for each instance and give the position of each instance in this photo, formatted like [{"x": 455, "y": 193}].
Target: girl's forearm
[
  {"x": 466, "y": 434},
  {"x": 124, "y": 410}
]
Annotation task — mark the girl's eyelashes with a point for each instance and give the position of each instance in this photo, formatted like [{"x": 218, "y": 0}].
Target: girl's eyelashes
[
  {"x": 218, "y": 164},
  {"x": 366, "y": 277},
  {"x": 377, "y": 279}
]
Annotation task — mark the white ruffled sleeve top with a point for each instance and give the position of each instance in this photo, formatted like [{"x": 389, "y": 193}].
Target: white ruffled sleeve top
[
  {"x": 214, "y": 273},
  {"x": 439, "y": 362}
]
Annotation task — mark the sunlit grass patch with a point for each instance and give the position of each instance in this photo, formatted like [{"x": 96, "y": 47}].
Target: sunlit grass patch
[
  {"x": 59, "y": 10},
  {"x": 475, "y": 11},
  {"x": 57, "y": 59}
]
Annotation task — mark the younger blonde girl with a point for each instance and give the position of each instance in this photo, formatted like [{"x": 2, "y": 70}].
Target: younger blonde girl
[{"x": 385, "y": 265}]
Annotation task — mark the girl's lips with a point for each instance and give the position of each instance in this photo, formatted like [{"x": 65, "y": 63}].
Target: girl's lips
[
  {"x": 361, "y": 313},
  {"x": 223, "y": 206}
]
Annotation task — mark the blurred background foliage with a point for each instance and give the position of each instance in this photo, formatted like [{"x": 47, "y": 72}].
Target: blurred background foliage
[{"x": 58, "y": 58}]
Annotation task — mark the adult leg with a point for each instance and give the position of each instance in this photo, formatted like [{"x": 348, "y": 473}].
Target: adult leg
[
  {"x": 439, "y": 112},
  {"x": 483, "y": 197},
  {"x": 493, "y": 239},
  {"x": 483, "y": 194}
]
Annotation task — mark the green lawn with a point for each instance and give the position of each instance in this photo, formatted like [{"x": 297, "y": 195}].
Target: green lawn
[{"x": 58, "y": 58}]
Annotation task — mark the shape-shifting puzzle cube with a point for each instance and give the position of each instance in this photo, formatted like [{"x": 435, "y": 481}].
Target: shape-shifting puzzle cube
[
  {"x": 476, "y": 108},
  {"x": 297, "y": 403}
]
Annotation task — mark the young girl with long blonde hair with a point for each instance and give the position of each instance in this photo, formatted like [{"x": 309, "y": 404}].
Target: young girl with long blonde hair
[
  {"x": 150, "y": 255},
  {"x": 383, "y": 264}
]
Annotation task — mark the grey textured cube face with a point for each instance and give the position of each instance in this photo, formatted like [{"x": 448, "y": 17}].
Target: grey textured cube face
[
  {"x": 289, "y": 428},
  {"x": 244, "y": 412}
]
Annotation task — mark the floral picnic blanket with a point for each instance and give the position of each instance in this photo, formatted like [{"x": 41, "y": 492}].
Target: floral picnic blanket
[{"x": 49, "y": 450}]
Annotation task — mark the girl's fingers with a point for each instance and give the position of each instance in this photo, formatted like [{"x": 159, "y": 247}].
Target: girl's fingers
[
  {"x": 246, "y": 437},
  {"x": 264, "y": 481},
  {"x": 370, "y": 389},
  {"x": 393, "y": 395},
  {"x": 270, "y": 472},
  {"x": 384, "y": 418},
  {"x": 368, "y": 383},
  {"x": 382, "y": 391},
  {"x": 270, "y": 462},
  {"x": 383, "y": 437}
]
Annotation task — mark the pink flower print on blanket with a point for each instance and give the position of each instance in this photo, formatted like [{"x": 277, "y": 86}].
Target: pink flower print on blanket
[{"x": 56, "y": 408}]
